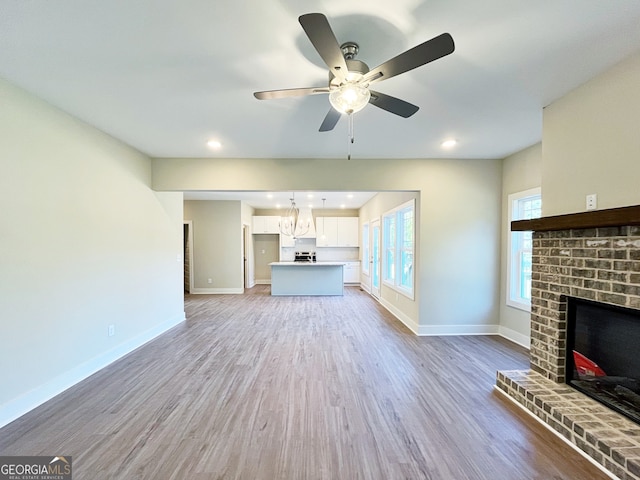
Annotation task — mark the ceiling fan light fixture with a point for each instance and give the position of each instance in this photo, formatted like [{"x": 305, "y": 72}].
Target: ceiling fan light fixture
[{"x": 349, "y": 98}]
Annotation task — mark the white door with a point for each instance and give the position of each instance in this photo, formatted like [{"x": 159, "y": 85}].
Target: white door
[
  {"x": 366, "y": 258},
  {"x": 375, "y": 258}
]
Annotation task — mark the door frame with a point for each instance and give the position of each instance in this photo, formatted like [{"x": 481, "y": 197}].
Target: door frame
[
  {"x": 246, "y": 247},
  {"x": 188, "y": 260}
]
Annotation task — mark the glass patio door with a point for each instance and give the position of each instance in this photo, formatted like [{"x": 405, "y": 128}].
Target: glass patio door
[{"x": 375, "y": 258}]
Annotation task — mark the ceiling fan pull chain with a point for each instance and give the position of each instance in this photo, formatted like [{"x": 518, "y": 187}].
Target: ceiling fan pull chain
[{"x": 351, "y": 135}]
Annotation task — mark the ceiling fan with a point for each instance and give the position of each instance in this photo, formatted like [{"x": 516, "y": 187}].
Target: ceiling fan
[{"x": 349, "y": 79}]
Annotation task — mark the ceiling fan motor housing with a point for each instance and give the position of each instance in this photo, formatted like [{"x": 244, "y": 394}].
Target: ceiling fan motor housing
[{"x": 355, "y": 67}]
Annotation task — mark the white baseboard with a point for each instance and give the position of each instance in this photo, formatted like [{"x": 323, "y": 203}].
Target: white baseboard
[
  {"x": 263, "y": 281},
  {"x": 445, "y": 330},
  {"x": 516, "y": 337},
  {"x": 217, "y": 291},
  {"x": 440, "y": 330},
  {"x": 409, "y": 322},
  {"x": 26, "y": 402}
]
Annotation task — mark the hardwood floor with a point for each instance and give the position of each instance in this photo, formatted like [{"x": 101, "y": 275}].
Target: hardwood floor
[{"x": 259, "y": 387}]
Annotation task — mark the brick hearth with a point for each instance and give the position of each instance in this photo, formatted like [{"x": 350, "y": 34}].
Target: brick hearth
[{"x": 601, "y": 264}]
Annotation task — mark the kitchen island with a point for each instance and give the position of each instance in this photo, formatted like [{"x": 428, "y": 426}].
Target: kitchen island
[{"x": 307, "y": 278}]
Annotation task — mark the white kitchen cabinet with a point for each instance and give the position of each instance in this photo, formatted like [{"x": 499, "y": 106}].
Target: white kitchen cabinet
[
  {"x": 348, "y": 231},
  {"x": 266, "y": 224},
  {"x": 321, "y": 238},
  {"x": 351, "y": 272},
  {"x": 326, "y": 232},
  {"x": 337, "y": 232}
]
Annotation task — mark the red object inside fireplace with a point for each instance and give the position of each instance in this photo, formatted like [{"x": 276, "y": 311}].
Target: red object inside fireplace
[{"x": 586, "y": 367}]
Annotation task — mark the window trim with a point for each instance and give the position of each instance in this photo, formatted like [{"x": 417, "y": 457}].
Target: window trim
[
  {"x": 395, "y": 285},
  {"x": 511, "y": 282}
]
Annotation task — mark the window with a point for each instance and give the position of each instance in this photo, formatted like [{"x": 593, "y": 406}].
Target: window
[
  {"x": 365, "y": 248},
  {"x": 398, "y": 241},
  {"x": 522, "y": 206}
]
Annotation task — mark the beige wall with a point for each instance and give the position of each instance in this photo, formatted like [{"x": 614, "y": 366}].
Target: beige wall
[
  {"x": 459, "y": 216},
  {"x": 404, "y": 307},
  {"x": 84, "y": 243},
  {"x": 520, "y": 172},
  {"x": 217, "y": 245},
  {"x": 591, "y": 143},
  {"x": 266, "y": 249}
]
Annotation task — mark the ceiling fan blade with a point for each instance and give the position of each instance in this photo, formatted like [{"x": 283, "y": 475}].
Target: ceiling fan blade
[
  {"x": 393, "y": 104},
  {"x": 426, "y": 52},
  {"x": 330, "y": 120},
  {"x": 317, "y": 28},
  {"x": 291, "y": 92}
]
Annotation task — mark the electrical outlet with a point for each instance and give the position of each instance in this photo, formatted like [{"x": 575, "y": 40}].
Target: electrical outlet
[
  {"x": 112, "y": 330},
  {"x": 209, "y": 280},
  {"x": 592, "y": 201}
]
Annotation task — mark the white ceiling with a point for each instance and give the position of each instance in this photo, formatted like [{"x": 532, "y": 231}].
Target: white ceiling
[{"x": 166, "y": 76}]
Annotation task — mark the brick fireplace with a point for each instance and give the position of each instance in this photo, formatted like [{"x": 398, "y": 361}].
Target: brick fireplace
[{"x": 593, "y": 256}]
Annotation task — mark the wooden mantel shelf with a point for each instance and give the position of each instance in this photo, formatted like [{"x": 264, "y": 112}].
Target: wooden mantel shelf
[{"x": 613, "y": 217}]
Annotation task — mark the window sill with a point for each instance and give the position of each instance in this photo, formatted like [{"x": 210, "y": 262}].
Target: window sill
[
  {"x": 405, "y": 293},
  {"x": 519, "y": 305}
]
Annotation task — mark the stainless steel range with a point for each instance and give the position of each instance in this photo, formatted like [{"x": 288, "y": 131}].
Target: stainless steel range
[{"x": 305, "y": 257}]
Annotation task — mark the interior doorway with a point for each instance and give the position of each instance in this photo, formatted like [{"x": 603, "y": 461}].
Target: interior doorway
[
  {"x": 187, "y": 255},
  {"x": 246, "y": 272}
]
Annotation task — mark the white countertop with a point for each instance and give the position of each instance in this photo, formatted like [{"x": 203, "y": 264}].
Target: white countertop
[{"x": 306, "y": 264}]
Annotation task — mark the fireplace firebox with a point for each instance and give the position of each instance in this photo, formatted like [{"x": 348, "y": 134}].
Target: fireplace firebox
[{"x": 603, "y": 354}]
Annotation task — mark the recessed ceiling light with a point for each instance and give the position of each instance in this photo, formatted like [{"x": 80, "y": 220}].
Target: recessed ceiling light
[
  {"x": 215, "y": 144},
  {"x": 269, "y": 195},
  {"x": 343, "y": 206},
  {"x": 350, "y": 195},
  {"x": 309, "y": 195},
  {"x": 450, "y": 143}
]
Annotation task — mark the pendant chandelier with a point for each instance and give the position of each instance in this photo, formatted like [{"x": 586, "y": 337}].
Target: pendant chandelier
[{"x": 291, "y": 224}]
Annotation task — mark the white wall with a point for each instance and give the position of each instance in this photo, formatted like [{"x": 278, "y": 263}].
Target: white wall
[
  {"x": 217, "y": 245},
  {"x": 520, "y": 171},
  {"x": 591, "y": 143},
  {"x": 459, "y": 217},
  {"x": 84, "y": 243}
]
